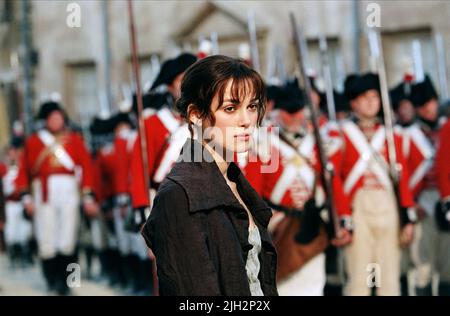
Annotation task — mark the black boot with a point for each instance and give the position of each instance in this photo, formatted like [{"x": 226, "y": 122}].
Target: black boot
[
  {"x": 62, "y": 282},
  {"x": 424, "y": 291},
  {"x": 146, "y": 277},
  {"x": 89, "y": 252},
  {"x": 50, "y": 271},
  {"x": 105, "y": 269},
  {"x": 404, "y": 285},
  {"x": 130, "y": 266},
  {"x": 11, "y": 256},
  {"x": 114, "y": 264},
  {"x": 444, "y": 289},
  {"x": 126, "y": 263},
  {"x": 27, "y": 255}
]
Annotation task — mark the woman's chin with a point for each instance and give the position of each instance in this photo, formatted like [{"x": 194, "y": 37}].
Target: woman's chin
[{"x": 242, "y": 147}]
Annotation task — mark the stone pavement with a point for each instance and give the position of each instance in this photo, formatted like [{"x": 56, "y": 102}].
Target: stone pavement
[{"x": 29, "y": 282}]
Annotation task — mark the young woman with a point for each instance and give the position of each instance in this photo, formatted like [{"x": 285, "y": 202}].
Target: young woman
[{"x": 207, "y": 227}]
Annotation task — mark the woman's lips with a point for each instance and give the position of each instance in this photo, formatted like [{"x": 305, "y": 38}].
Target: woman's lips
[{"x": 244, "y": 137}]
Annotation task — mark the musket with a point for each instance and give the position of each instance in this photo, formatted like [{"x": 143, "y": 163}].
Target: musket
[
  {"x": 326, "y": 173},
  {"x": 279, "y": 64},
  {"x": 140, "y": 109},
  {"x": 253, "y": 40},
  {"x": 215, "y": 43},
  {"x": 326, "y": 73},
  {"x": 394, "y": 169},
  {"x": 442, "y": 67},
  {"x": 418, "y": 62},
  {"x": 276, "y": 73}
]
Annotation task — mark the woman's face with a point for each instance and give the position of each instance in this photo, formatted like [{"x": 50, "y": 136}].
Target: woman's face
[{"x": 235, "y": 121}]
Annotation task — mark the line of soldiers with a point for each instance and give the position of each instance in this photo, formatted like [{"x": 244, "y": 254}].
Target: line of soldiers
[{"x": 57, "y": 177}]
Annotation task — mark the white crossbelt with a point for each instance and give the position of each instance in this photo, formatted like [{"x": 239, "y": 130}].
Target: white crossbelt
[
  {"x": 291, "y": 172},
  {"x": 57, "y": 149},
  {"x": 427, "y": 151},
  {"x": 362, "y": 145}
]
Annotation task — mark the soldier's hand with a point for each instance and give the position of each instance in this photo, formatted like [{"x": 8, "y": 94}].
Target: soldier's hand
[
  {"x": 406, "y": 235},
  {"x": 91, "y": 208},
  {"x": 343, "y": 238}
]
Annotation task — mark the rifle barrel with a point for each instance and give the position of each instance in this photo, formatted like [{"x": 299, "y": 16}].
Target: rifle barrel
[{"x": 326, "y": 173}]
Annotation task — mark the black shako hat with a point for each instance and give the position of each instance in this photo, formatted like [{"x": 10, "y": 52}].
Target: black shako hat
[
  {"x": 423, "y": 92},
  {"x": 101, "y": 126},
  {"x": 341, "y": 102},
  {"x": 153, "y": 100},
  {"x": 289, "y": 98},
  {"x": 400, "y": 92},
  {"x": 272, "y": 92},
  {"x": 47, "y": 108},
  {"x": 121, "y": 117},
  {"x": 171, "y": 68},
  {"x": 356, "y": 85},
  {"x": 16, "y": 142}
]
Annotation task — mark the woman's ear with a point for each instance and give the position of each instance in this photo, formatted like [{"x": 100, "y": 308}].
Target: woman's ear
[{"x": 193, "y": 115}]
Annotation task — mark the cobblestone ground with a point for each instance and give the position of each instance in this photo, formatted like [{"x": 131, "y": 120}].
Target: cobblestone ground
[{"x": 15, "y": 281}]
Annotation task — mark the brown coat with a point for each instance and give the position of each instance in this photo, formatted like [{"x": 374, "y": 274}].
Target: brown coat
[{"x": 198, "y": 232}]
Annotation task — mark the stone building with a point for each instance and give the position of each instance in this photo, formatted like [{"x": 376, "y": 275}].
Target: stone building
[{"x": 90, "y": 65}]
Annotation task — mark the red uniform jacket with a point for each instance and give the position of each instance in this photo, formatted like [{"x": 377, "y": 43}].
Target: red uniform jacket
[
  {"x": 443, "y": 161},
  {"x": 159, "y": 127},
  {"x": 353, "y": 159},
  {"x": 105, "y": 164},
  {"x": 291, "y": 183},
  {"x": 420, "y": 158},
  {"x": 36, "y": 164},
  {"x": 2, "y": 169},
  {"x": 121, "y": 165}
]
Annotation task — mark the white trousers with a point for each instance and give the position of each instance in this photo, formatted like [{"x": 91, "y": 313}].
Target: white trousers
[
  {"x": 57, "y": 220},
  {"x": 17, "y": 229},
  {"x": 128, "y": 243},
  {"x": 308, "y": 281}
]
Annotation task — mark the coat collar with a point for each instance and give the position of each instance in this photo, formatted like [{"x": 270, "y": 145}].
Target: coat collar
[{"x": 198, "y": 174}]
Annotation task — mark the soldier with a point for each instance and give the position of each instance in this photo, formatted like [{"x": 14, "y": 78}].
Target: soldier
[
  {"x": 363, "y": 168},
  {"x": 133, "y": 250},
  {"x": 404, "y": 110},
  {"x": 18, "y": 229},
  {"x": 50, "y": 191},
  {"x": 102, "y": 227},
  {"x": 430, "y": 252},
  {"x": 292, "y": 189},
  {"x": 165, "y": 135}
]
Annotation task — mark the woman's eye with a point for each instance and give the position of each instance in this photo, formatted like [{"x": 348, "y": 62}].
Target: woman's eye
[
  {"x": 252, "y": 107},
  {"x": 229, "y": 109}
]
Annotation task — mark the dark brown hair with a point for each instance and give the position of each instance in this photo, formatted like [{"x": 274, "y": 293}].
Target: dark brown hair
[{"x": 209, "y": 77}]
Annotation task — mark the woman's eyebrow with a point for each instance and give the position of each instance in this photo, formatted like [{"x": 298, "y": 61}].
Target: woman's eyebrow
[{"x": 234, "y": 101}]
